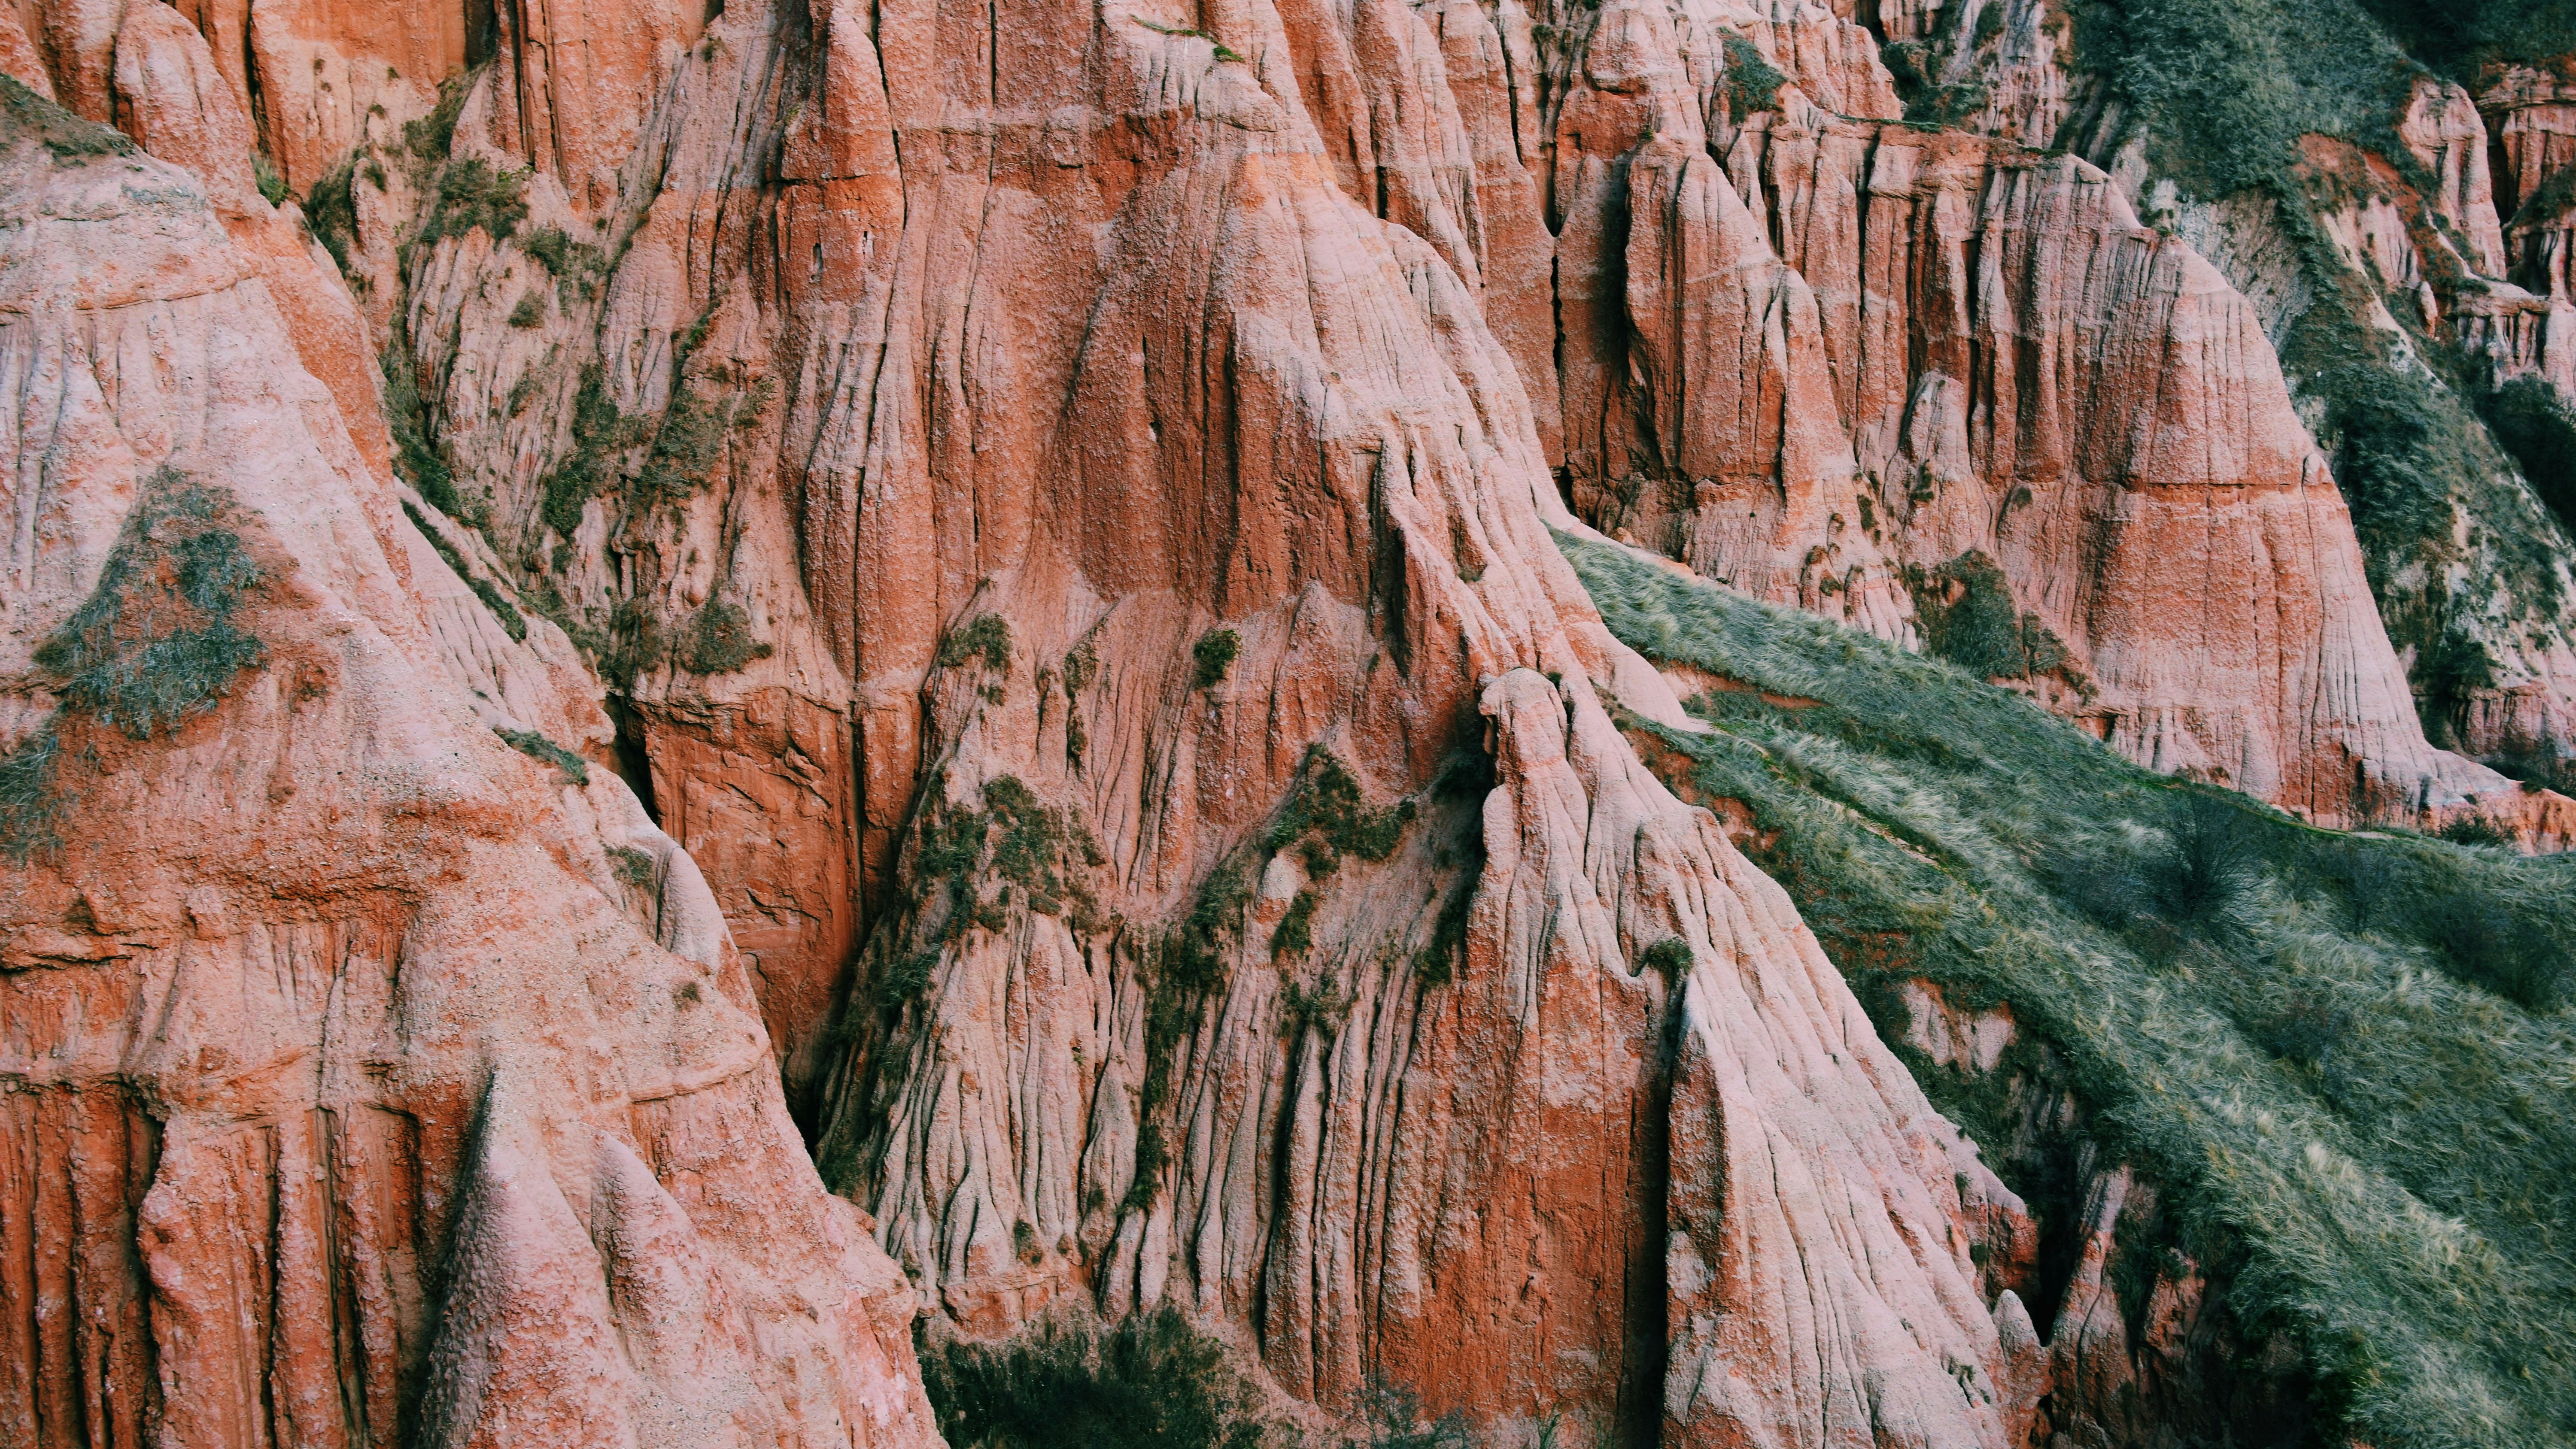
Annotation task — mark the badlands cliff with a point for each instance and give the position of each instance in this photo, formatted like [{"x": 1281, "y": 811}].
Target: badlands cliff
[{"x": 700, "y": 696}]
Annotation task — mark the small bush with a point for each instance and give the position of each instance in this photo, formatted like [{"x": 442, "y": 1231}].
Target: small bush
[
  {"x": 1752, "y": 83},
  {"x": 537, "y": 747},
  {"x": 632, "y": 866},
  {"x": 1327, "y": 802},
  {"x": 600, "y": 432},
  {"x": 577, "y": 267},
  {"x": 1296, "y": 933},
  {"x": 987, "y": 635},
  {"x": 156, "y": 642},
  {"x": 720, "y": 640},
  {"x": 529, "y": 314},
  {"x": 1212, "y": 656},
  {"x": 416, "y": 458},
  {"x": 1968, "y": 617},
  {"x": 1323, "y": 1009},
  {"x": 905, "y": 977},
  {"x": 2475, "y": 830},
  {"x": 28, "y": 803},
  {"x": 636, "y": 644},
  {"x": 331, "y": 209},
  {"x": 1153, "y": 1382},
  {"x": 1391, "y": 1417},
  {"x": 2214, "y": 858},
  {"x": 1669, "y": 958},
  {"x": 265, "y": 175},
  {"x": 2481, "y": 941},
  {"x": 473, "y": 193}
]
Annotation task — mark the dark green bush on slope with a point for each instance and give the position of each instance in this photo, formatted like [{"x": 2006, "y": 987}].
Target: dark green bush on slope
[
  {"x": 157, "y": 641},
  {"x": 1150, "y": 1383},
  {"x": 2347, "y": 1056}
]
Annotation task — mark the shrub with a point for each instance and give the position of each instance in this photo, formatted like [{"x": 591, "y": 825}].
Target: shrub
[
  {"x": 416, "y": 458},
  {"x": 905, "y": 977},
  {"x": 720, "y": 640},
  {"x": 529, "y": 314},
  {"x": 1153, "y": 1382},
  {"x": 156, "y": 642},
  {"x": 2474, "y": 830},
  {"x": 632, "y": 866},
  {"x": 1391, "y": 1417},
  {"x": 331, "y": 209},
  {"x": 1323, "y": 1009},
  {"x": 266, "y": 176},
  {"x": 578, "y": 267},
  {"x": 537, "y": 747},
  {"x": 2482, "y": 942},
  {"x": 1968, "y": 617},
  {"x": 1213, "y": 655},
  {"x": 28, "y": 803},
  {"x": 1327, "y": 802},
  {"x": 987, "y": 635},
  {"x": 1296, "y": 932},
  {"x": 1752, "y": 83},
  {"x": 1669, "y": 958},
  {"x": 473, "y": 193},
  {"x": 599, "y": 433}
]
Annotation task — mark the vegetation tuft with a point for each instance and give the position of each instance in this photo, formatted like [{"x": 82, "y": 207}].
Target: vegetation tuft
[
  {"x": 537, "y": 747},
  {"x": 158, "y": 640},
  {"x": 1968, "y": 616},
  {"x": 1152, "y": 1382},
  {"x": 2342, "y": 1055},
  {"x": 1213, "y": 656},
  {"x": 473, "y": 193},
  {"x": 66, "y": 136},
  {"x": 720, "y": 640},
  {"x": 987, "y": 636}
]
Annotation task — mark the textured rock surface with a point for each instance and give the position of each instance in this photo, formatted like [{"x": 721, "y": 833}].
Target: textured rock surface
[
  {"x": 1061, "y": 506},
  {"x": 363, "y": 1080}
]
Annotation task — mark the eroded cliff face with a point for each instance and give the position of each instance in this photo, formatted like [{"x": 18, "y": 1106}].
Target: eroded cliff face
[
  {"x": 1060, "y": 505},
  {"x": 363, "y": 1080}
]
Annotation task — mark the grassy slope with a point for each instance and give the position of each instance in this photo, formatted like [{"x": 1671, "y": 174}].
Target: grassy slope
[{"x": 2292, "y": 1034}]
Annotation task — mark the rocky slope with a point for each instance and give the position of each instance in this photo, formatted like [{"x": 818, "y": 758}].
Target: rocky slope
[
  {"x": 364, "y": 1080},
  {"x": 1051, "y": 514}
]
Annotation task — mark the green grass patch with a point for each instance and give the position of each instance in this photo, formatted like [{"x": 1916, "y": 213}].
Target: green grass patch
[
  {"x": 473, "y": 194},
  {"x": 158, "y": 641},
  {"x": 537, "y": 747},
  {"x": 2344, "y": 1056}
]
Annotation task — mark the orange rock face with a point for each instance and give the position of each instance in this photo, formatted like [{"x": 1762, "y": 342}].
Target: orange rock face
[
  {"x": 363, "y": 1080},
  {"x": 1063, "y": 506}
]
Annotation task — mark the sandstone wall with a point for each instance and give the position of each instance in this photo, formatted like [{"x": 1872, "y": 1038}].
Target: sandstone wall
[{"x": 363, "y": 1079}]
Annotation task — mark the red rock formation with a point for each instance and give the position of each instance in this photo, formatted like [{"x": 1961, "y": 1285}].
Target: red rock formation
[
  {"x": 363, "y": 1080},
  {"x": 994, "y": 372}
]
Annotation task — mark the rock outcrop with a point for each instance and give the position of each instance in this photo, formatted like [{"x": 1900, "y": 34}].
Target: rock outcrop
[
  {"x": 365, "y": 1080},
  {"x": 1016, "y": 553}
]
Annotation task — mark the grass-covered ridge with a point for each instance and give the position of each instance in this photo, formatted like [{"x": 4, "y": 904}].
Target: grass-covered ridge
[{"x": 2349, "y": 1057}]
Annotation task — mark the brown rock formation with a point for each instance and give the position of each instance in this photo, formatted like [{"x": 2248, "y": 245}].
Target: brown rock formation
[{"x": 364, "y": 1080}]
